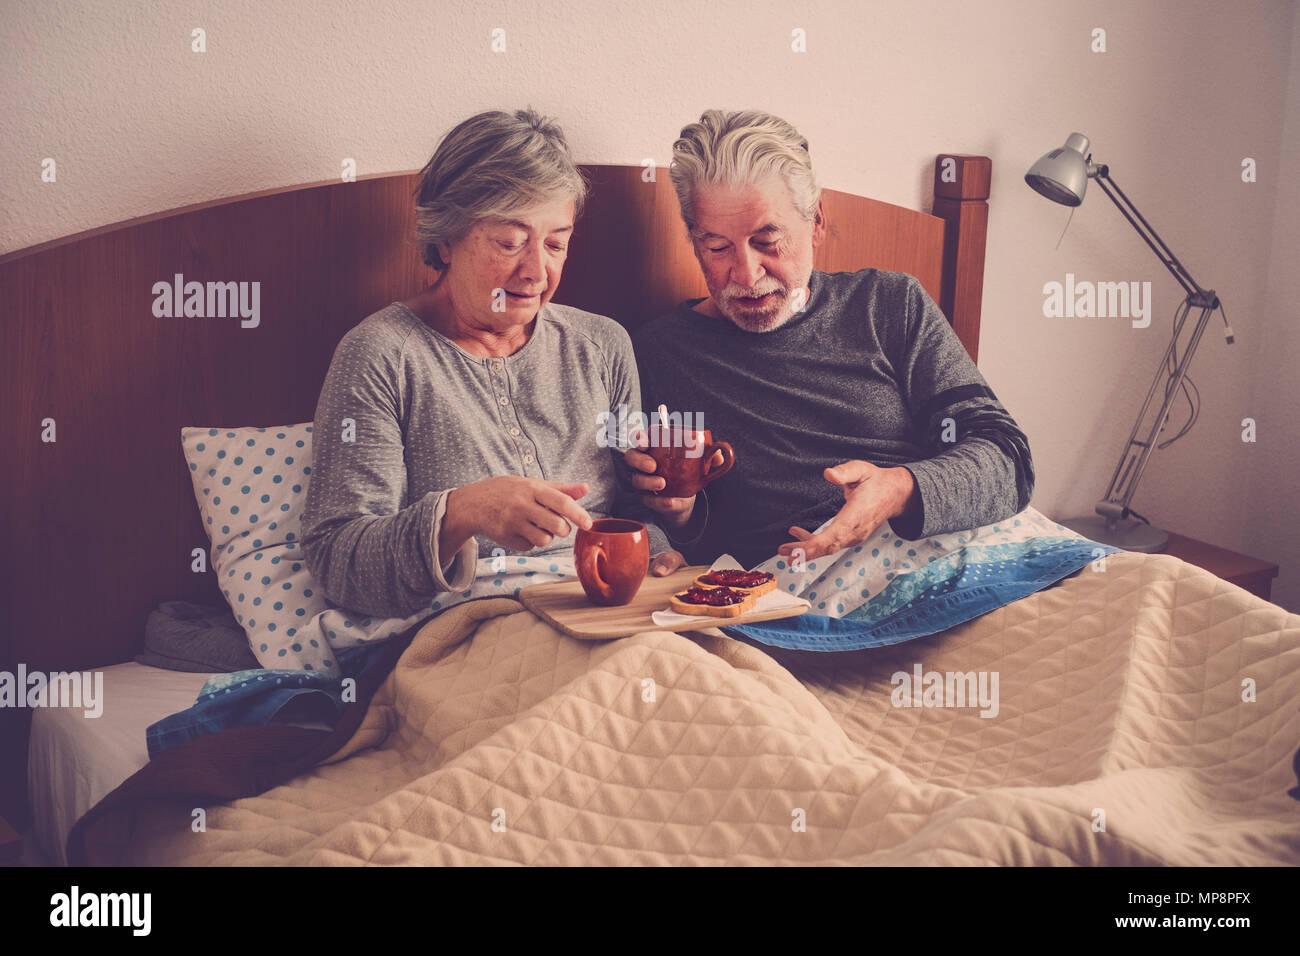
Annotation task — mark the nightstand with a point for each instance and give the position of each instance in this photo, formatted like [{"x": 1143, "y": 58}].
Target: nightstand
[
  {"x": 1252, "y": 574},
  {"x": 11, "y": 844}
]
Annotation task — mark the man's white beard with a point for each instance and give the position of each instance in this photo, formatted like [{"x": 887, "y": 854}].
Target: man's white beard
[{"x": 771, "y": 318}]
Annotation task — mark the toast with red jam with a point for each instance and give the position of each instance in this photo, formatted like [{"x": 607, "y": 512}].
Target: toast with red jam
[
  {"x": 713, "y": 602},
  {"x": 752, "y": 582}
]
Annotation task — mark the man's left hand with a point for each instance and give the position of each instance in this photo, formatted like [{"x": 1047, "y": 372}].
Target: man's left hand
[
  {"x": 872, "y": 495},
  {"x": 666, "y": 563}
]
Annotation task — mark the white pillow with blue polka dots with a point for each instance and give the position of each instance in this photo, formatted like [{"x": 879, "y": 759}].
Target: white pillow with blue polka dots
[{"x": 251, "y": 487}]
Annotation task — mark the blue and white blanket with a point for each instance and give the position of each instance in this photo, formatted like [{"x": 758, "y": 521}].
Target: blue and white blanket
[{"x": 890, "y": 589}]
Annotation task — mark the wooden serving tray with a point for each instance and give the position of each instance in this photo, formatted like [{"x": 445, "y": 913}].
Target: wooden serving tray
[{"x": 564, "y": 605}]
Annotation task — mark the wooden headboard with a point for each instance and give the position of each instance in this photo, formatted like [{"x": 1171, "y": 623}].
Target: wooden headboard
[{"x": 98, "y": 526}]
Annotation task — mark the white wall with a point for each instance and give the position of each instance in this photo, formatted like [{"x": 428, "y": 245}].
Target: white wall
[
  {"x": 1186, "y": 90},
  {"x": 1272, "y": 466}
]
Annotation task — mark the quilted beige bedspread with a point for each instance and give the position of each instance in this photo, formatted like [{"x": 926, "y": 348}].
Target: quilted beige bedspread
[{"x": 1145, "y": 714}]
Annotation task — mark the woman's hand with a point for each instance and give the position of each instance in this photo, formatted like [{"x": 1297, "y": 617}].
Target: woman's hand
[{"x": 516, "y": 512}]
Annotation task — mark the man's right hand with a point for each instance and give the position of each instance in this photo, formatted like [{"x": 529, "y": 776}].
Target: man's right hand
[
  {"x": 514, "y": 511},
  {"x": 676, "y": 511}
]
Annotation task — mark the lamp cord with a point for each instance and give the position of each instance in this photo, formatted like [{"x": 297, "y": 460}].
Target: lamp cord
[
  {"x": 1067, "y": 226},
  {"x": 1171, "y": 366}
]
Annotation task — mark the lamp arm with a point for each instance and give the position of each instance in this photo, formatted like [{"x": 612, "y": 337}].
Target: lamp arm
[{"x": 1196, "y": 295}]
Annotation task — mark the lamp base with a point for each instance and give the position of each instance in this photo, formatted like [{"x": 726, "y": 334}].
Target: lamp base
[{"x": 1123, "y": 533}]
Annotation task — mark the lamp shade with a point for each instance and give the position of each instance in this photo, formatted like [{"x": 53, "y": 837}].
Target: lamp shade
[{"x": 1062, "y": 175}]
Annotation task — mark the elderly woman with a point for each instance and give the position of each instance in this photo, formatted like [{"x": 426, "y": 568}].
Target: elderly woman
[{"x": 462, "y": 423}]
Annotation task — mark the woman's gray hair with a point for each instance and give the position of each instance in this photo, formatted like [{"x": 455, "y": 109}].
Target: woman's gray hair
[
  {"x": 490, "y": 165},
  {"x": 740, "y": 148}
]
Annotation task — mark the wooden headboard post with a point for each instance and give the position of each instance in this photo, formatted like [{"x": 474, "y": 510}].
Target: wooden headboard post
[{"x": 961, "y": 192}]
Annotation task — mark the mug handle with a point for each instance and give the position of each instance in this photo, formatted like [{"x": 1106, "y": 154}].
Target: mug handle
[
  {"x": 728, "y": 459},
  {"x": 589, "y": 569}
]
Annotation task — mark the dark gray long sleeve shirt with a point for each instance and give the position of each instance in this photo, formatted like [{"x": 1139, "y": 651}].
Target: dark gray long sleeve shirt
[
  {"x": 427, "y": 417},
  {"x": 870, "y": 369}
]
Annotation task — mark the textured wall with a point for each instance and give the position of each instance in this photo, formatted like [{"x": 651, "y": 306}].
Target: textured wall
[
  {"x": 138, "y": 124},
  {"x": 1269, "y": 478}
]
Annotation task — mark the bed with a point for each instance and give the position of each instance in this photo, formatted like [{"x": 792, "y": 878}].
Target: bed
[
  {"x": 1145, "y": 713},
  {"x": 73, "y": 762}
]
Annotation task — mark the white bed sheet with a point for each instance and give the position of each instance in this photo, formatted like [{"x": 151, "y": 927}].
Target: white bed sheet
[{"x": 75, "y": 761}]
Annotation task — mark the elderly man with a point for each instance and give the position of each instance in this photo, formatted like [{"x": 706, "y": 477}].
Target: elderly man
[{"x": 847, "y": 397}]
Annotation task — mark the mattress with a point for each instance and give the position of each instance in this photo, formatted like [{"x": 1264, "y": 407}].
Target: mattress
[{"x": 74, "y": 761}]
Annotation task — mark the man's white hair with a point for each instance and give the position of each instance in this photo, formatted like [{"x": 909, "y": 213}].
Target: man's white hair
[{"x": 738, "y": 149}]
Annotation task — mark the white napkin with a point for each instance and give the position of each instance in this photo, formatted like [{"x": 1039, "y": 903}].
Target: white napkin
[{"x": 771, "y": 601}]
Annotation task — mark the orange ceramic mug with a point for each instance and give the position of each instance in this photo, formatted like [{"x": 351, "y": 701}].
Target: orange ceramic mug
[
  {"x": 612, "y": 559},
  {"x": 683, "y": 459}
]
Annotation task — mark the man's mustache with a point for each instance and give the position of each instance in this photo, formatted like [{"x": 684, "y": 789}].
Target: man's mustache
[{"x": 738, "y": 292}]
